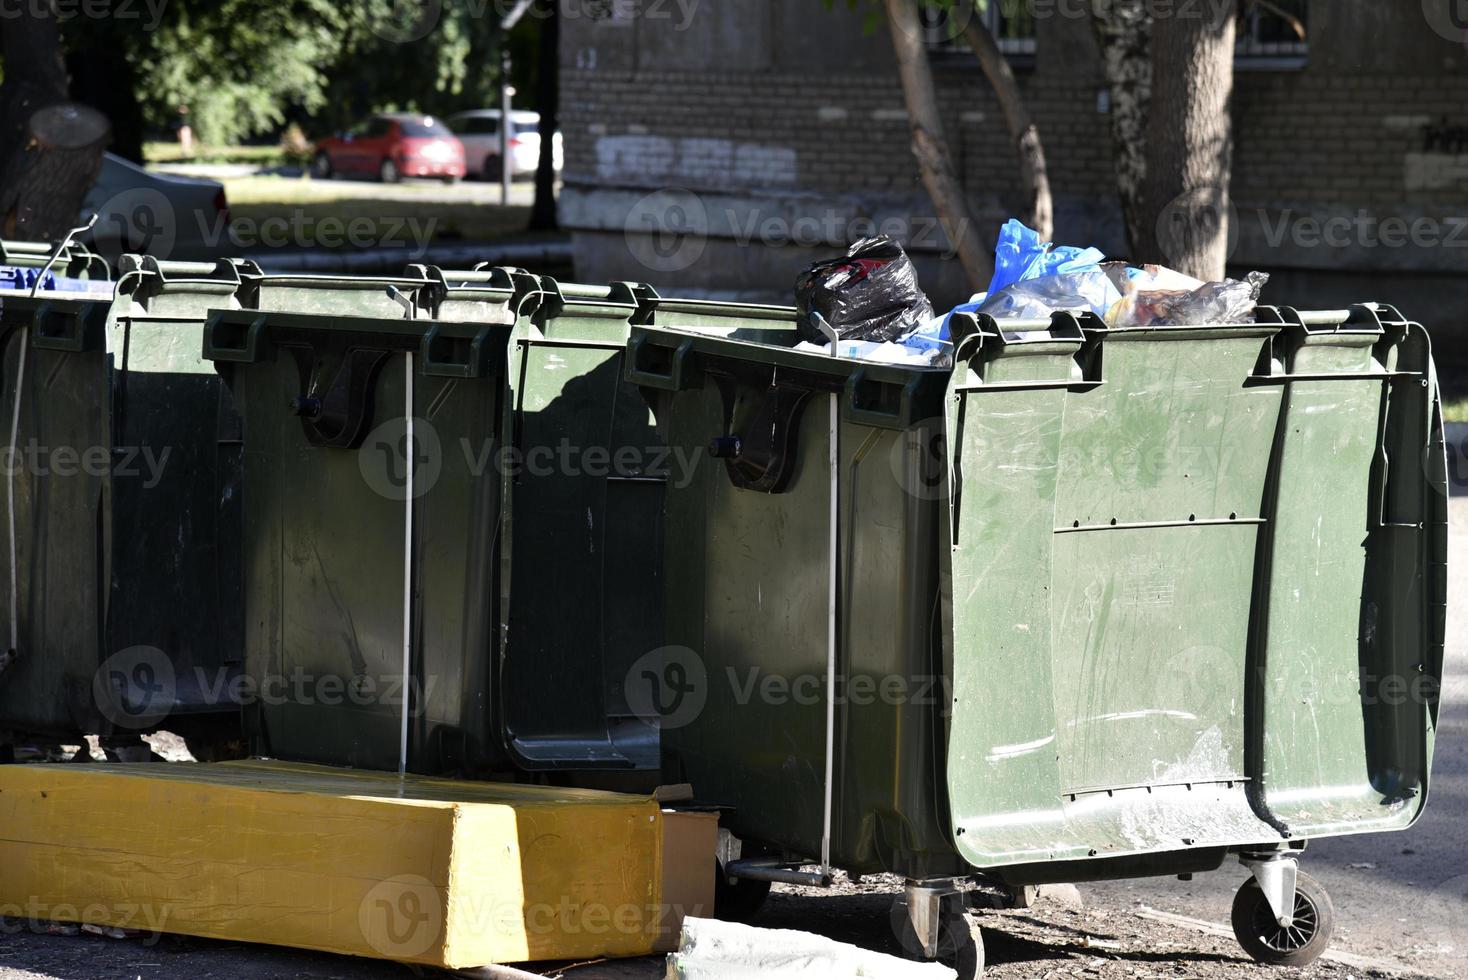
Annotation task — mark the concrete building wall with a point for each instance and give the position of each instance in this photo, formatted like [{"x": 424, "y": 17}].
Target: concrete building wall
[{"x": 696, "y": 133}]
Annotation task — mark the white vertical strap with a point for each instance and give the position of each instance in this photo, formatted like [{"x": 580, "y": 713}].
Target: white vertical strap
[
  {"x": 410, "y": 458},
  {"x": 832, "y": 608},
  {"x": 10, "y": 463}
]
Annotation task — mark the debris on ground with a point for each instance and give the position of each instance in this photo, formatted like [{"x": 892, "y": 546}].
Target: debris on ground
[{"x": 714, "y": 950}]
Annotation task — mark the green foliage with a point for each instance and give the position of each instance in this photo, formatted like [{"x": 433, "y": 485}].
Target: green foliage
[
  {"x": 454, "y": 66},
  {"x": 244, "y": 68},
  {"x": 236, "y": 64}
]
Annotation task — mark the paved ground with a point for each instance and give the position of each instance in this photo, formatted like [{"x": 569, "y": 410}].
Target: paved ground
[{"x": 1400, "y": 901}]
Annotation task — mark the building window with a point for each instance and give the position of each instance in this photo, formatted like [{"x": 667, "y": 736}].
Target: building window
[
  {"x": 1013, "y": 25},
  {"x": 1273, "y": 33}
]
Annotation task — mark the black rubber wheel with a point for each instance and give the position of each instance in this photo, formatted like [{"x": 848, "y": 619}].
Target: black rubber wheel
[
  {"x": 960, "y": 941},
  {"x": 389, "y": 173},
  {"x": 738, "y": 901},
  {"x": 1267, "y": 941},
  {"x": 493, "y": 169},
  {"x": 321, "y": 167}
]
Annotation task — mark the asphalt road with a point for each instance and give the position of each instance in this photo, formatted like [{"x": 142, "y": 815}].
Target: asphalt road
[{"x": 1401, "y": 902}]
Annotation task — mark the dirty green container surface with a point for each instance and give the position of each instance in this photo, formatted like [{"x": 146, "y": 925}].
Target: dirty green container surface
[
  {"x": 582, "y": 518},
  {"x": 123, "y": 534},
  {"x": 390, "y": 298},
  {"x": 535, "y": 586},
  {"x": 1210, "y": 578},
  {"x": 325, "y": 401},
  {"x": 1182, "y": 589}
]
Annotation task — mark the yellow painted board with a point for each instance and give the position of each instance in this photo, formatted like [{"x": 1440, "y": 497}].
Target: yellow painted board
[{"x": 439, "y": 872}]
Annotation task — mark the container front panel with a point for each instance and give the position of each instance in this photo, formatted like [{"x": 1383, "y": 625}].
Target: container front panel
[
  {"x": 60, "y": 503},
  {"x": 176, "y": 499},
  {"x": 1144, "y": 662},
  {"x": 585, "y": 603},
  {"x": 748, "y": 618},
  {"x": 324, "y": 570}
]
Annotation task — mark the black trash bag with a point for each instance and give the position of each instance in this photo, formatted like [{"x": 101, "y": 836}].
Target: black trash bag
[{"x": 871, "y": 293}]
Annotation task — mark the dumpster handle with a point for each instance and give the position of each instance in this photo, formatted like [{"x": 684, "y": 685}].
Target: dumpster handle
[
  {"x": 59, "y": 327},
  {"x": 856, "y": 412},
  {"x": 641, "y": 372},
  {"x": 221, "y": 329},
  {"x": 468, "y": 365}
]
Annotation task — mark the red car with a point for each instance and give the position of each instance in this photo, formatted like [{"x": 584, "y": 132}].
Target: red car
[{"x": 393, "y": 146}]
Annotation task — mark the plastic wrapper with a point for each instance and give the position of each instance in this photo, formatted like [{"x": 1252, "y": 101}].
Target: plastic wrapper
[
  {"x": 1157, "y": 297},
  {"x": 871, "y": 294},
  {"x": 1089, "y": 289}
]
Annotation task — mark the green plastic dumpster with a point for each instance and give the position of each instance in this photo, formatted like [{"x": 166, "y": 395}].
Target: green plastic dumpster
[
  {"x": 360, "y": 599},
  {"x": 120, "y": 512},
  {"x": 582, "y": 507},
  {"x": 1094, "y": 604},
  {"x": 516, "y": 559}
]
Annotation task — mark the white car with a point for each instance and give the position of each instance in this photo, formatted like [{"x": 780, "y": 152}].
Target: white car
[
  {"x": 479, "y": 131},
  {"x": 163, "y": 215}
]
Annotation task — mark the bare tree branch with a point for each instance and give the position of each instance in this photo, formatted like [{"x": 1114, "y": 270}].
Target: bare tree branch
[{"x": 930, "y": 145}]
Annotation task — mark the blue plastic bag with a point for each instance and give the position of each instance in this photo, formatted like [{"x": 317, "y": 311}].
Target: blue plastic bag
[
  {"x": 1020, "y": 255},
  {"x": 13, "y": 277}
]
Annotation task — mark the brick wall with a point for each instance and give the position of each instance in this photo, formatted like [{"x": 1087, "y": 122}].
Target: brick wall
[{"x": 787, "y": 121}]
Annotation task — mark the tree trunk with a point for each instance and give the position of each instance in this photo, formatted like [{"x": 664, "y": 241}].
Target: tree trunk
[
  {"x": 35, "y": 75},
  {"x": 1034, "y": 179},
  {"x": 42, "y": 193},
  {"x": 1123, "y": 30},
  {"x": 1190, "y": 145},
  {"x": 50, "y": 150},
  {"x": 543, "y": 214},
  {"x": 930, "y": 146}
]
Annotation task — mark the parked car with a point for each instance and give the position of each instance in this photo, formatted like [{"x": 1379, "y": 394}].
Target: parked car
[
  {"x": 479, "y": 131},
  {"x": 390, "y": 147},
  {"x": 164, "y": 215}
]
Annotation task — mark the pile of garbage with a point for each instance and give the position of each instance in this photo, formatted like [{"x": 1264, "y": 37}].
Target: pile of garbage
[{"x": 869, "y": 300}]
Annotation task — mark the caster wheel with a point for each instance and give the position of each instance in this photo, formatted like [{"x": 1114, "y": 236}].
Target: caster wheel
[
  {"x": 960, "y": 942},
  {"x": 739, "y": 900},
  {"x": 1299, "y": 944}
]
